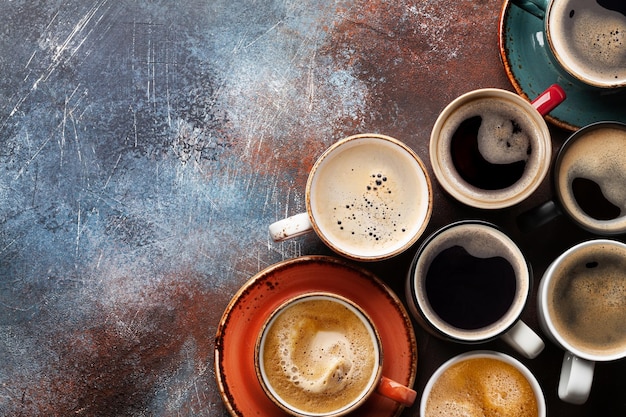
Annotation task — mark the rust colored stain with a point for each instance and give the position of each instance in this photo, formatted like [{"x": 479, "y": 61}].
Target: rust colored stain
[{"x": 119, "y": 365}]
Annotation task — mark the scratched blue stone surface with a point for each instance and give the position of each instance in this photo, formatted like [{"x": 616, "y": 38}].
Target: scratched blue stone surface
[{"x": 145, "y": 146}]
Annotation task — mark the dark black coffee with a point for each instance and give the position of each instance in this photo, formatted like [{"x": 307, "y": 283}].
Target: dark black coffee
[
  {"x": 469, "y": 292},
  {"x": 615, "y": 5},
  {"x": 473, "y": 167},
  {"x": 589, "y": 197}
]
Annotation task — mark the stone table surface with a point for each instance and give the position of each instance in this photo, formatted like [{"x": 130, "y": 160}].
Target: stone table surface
[{"x": 147, "y": 145}]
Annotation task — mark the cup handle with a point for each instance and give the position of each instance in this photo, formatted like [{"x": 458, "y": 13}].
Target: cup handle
[
  {"x": 538, "y": 216},
  {"x": 549, "y": 99},
  {"x": 396, "y": 391},
  {"x": 536, "y": 7},
  {"x": 293, "y": 226},
  {"x": 524, "y": 340},
  {"x": 576, "y": 378}
]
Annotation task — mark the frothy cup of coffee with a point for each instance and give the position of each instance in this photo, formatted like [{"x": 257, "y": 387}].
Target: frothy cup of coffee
[
  {"x": 483, "y": 383},
  {"x": 589, "y": 174},
  {"x": 469, "y": 283},
  {"x": 586, "y": 38},
  {"x": 582, "y": 308},
  {"x": 368, "y": 197},
  {"x": 490, "y": 148},
  {"x": 319, "y": 354}
]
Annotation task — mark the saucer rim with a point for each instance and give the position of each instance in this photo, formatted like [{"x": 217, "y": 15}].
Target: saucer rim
[{"x": 395, "y": 304}]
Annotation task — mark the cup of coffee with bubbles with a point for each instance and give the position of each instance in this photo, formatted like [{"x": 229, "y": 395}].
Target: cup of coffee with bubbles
[
  {"x": 319, "y": 354},
  {"x": 490, "y": 148},
  {"x": 582, "y": 308},
  {"x": 589, "y": 177},
  {"x": 587, "y": 38},
  {"x": 368, "y": 197},
  {"x": 483, "y": 383},
  {"x": 469, "y": 283}
]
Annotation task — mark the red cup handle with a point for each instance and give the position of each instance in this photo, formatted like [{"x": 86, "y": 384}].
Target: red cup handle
[
  {"x": 549, "y": 99},
  {"x": 396, "y": 391}
]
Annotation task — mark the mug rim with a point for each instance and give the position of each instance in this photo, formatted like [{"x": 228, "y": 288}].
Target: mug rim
[
  {"x": 555, "y": 177},
  {"x": 464, "y": 191},
  {"x": 578, "y": 76},
  {"x": 544, "y": 312},
  {"x": 363, "y": 317},
  {"x": 418, "y": 230},
  {"x": 485, "y": 353},
  {"x": 496, "y": 329}
]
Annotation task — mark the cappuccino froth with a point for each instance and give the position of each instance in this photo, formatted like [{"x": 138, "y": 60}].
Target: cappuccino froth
[
  {"x": 319, "y": 356},
  {"x": 370, "y": 197},
  {"x": 484, "y": 387},
  {"x": 599, "y": 155},
  {"x": 587, "y": 300},
  {"x": 590, "y": 39}
]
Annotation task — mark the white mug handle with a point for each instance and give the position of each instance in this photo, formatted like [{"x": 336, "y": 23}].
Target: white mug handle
[
  {"x": 576, "y": 378},
  {"x": 293, "y": 226},
  {"x": 524, "y": 340}
]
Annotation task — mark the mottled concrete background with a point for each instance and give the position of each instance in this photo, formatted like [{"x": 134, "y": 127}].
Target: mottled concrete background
[{"x": 147, "y": 145}]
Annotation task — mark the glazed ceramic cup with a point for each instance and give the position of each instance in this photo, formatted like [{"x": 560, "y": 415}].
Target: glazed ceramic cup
[
  {"x": 586, "y": 38},
  {"x": 490, "y": 148},
  {"x": 582, "y": 308},
  {"x": 473, "y": 383},
  {"x": 368, "y": 197},
  {"x": 588, "y": 176},
  {"x": 469, "y": 283},
  {"x": 319, "y": 354}
]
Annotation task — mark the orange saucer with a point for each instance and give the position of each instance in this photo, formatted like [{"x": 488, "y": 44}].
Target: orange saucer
[{"x": 246, "y": 312}]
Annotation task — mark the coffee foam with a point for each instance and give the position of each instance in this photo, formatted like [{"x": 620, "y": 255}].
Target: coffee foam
[
  {"x": 481, "y": 387},
  {"x": 370, "y": 198},
  {"x": 590, "y": 39},
  {"x": 598, "y": 155},
  {"x": 506, "y": 134},
  {"x": 319, "y": 356},
  {"x": 587, "y": 300}
]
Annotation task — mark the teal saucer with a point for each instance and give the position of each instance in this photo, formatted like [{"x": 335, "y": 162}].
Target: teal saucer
[{"x": 528, "y": 64}]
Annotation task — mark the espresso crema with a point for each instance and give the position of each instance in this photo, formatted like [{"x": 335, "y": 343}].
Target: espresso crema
[
  {"x": 599, "y": 157},
  {"x": 319, "y": 356},
  {"x": 589, "y": 38},
  {"x": 587, "y": 300},
  {"x": 482, "y": 387}
]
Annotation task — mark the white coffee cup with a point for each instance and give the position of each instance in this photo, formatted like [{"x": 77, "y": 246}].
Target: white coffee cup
[
  {"x": 482, "y": 381},
  {"x": 368, "y": 197},
  {"x": 319, "y": 355},
  {"x": 582, "y": 308},
  {"x": 490, "y": 148},
  {"x": 469, "y": 283},
  {"x": 586, "y": 38}
]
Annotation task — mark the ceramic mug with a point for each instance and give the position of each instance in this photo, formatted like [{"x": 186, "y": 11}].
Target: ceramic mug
[
  {"x": 588, "y": 178},
  {"x": 490, "y": 148},
  {"x": 582, "y": 308},
  {"x": 368, "y": 197},
  {"x": 319, "y": 354},
  {"x": 586, "y": 38},
  {"x": 469, "y": 283},
  {"x": 483, "y": 383}
]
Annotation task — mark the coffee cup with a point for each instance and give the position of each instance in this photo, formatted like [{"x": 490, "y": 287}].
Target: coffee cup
[
  {"x": 482, "y": 383},
  {"x": 588, "y": 178},
  {"x": 490, "y": 148},
  {"x": 319, "y": 354},
  {"x": 469, "y": 283},
  {"x": 582, "y": 308},
  {"x": 368, "y": 197},
  {"x": 586, "y": 38}
]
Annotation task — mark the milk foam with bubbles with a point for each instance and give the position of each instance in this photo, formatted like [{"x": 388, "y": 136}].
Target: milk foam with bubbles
[{"x": 370, "y": 198}]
